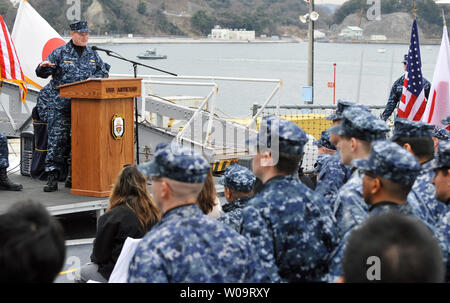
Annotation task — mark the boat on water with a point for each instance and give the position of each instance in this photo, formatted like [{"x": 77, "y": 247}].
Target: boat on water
[
  {"x": 381, "y": 50},
  {"x": 151, "y": 55}
]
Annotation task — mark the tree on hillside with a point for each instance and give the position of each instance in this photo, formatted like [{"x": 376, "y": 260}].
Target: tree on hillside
[
  {"x": 427, "y": 9},
  {"x": 202, "y": 22}
]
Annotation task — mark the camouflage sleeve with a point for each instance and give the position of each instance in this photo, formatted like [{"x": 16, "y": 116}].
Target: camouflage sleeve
[
  {"x": 147, "y": 267},
  {"x": 45, "y": 72},
  {"x": 392, "y": 103},
  {"x": 255, "y": 229}
]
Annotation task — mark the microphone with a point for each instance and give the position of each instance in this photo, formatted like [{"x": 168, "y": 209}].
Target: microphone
[{"x": 101, "y": 49}]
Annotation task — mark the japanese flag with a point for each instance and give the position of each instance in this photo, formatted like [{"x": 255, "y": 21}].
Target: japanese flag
[
  {"x": 34, "y": 39},
  {"x": 438, "y": 106}
]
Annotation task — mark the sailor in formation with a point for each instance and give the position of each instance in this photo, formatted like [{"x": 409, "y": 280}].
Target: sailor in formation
[
  {"x": 356, "y": 132},
  {"x": 72, "y": 62},
  {"x": 186, "y": 245},
  {"x": 289, "y": 225},
  {"x": 5, "y": 182},
  {"x": 333, "y": 174},
  {"x": 238, "y": 182},
  {"x": 441, "y": 180},
  {"x": 387, "y": 177}
]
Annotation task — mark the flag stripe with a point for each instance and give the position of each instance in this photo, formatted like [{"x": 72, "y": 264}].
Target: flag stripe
[
  {"x": 431, "y": 109},
  {"x": 413, "y": 101},
  {"x": 8, "y": 60}
]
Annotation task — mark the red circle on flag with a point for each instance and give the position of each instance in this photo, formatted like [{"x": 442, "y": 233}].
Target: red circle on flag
[{"x": 50, "y": 46}]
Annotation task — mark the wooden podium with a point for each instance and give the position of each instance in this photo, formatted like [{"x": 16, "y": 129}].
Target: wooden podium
[{"x": 102, "y": 132}]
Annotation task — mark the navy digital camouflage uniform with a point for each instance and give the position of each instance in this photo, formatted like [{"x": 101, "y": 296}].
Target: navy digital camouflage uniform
[
  {"x": 239, "y": 179},
  {"x": 349, "y": 207},
  {"x": 389, "y": 161},
  {"x": 441, "y": 133},
  {"x": 3, "y": 152},
  {"x": 446, "y": 121},
  {"x": 186, "y": 245},
  {"x": 442, "y": 159},
  {"x": 423, "y": 194},
  {"x": 70, "y": 67},
  {"x": 333, "y": 174},
  {"x": 396, "y": 94},
  {"x": 289, "y": 225}
]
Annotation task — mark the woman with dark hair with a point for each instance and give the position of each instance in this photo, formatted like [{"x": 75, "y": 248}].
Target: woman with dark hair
[
  {"x": 131, "y": 213},
  {"x": 208, "y": 200}
]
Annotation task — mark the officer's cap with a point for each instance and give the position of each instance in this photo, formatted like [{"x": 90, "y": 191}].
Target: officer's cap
[
  {"x": 404, "y": 128},
  {"x": 405, "y": 59},
  {"x": 238, "y": 178},
  {"x": 390, "y": 161},
  {"x": 275, "y": 131},
  {"x": 360, "y": 124},
  {"x": 178, "y": 163},
  {"x": 80, "y": 26}
]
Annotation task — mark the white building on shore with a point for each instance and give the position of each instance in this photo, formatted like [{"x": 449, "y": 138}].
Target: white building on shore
[
  {"x": 228, "y": 34},
  {"x": 352, "y": 33}
]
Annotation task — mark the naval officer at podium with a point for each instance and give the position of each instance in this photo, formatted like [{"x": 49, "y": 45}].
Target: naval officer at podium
[{"x": 69, "y": 63}]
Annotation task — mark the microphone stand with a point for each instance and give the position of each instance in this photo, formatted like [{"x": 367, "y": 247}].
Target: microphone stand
[{"x": 135, "y": 65}]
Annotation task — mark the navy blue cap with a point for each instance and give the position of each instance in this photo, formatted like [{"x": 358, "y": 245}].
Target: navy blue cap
[
  {"x": 446, "y": 121},
  {"x": 238, "y": 178},
  {"x": 325, "y": 140},
  {"x": 404, "y": 128},
  {"x": 405, "y": 59},
  {"x": 390, "y": 161},
  {"x": 178, "y": 163},
  {"x": 360, "y": 124},
  {"x": 442, "y": 156},
  {"x": 441, "y": 133},
  {"x": 80, "y": 26},
  {"x": 274, "y": 130}
]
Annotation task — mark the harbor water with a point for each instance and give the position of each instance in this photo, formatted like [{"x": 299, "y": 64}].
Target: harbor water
[{"x": 363, "y": 73}]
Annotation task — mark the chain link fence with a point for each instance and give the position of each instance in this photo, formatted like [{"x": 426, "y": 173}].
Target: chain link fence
[{"x": 311, "y": 118}]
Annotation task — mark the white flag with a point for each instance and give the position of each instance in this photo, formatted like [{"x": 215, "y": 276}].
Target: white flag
[
  {"x": 438, "y": 105},
  {"x": 34, "y": 39}
]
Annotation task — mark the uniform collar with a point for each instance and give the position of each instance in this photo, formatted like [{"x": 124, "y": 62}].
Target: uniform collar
[
  {"x": 279, "y": 178},
  {"x": 185, "y": 210},
  {"x": 238, "y": 203}
]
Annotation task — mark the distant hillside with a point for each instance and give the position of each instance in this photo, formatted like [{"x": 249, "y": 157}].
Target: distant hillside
[
  {"x": 178, "y": 17},
  {"x": 396, "y": 18}
]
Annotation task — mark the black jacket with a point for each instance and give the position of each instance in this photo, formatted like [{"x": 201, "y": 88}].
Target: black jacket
[{"x": 112, "y": 230}]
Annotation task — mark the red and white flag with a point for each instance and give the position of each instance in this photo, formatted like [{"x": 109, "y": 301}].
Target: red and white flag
[
  {"x": 413, "y": 102},
  {"x": 10, "y": 69},
  {"x": 35, "y": 39},
  {"x": 438, "y": 106}
]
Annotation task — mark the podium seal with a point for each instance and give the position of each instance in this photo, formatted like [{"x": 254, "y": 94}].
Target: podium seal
[{"x": 118, "y": 127}]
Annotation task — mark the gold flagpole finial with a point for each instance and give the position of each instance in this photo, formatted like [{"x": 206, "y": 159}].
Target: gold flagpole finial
[{"x": 414, "y": 10}]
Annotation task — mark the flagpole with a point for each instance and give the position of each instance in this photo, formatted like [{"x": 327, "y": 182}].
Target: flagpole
[{"x": 443, "y": 17}]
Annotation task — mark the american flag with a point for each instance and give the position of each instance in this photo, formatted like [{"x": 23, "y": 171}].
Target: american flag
[
  {"x": 10, "y": 69},
  {"x": 413, "y": 101}
]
